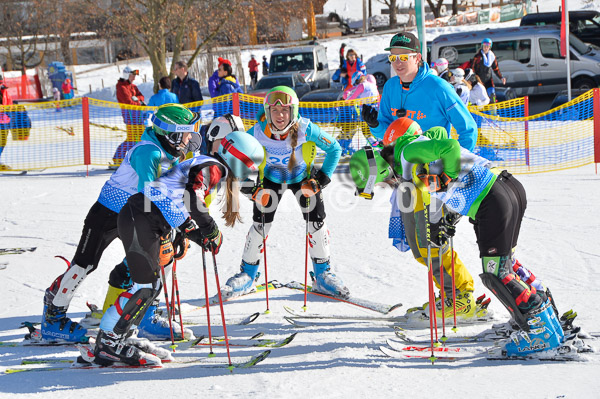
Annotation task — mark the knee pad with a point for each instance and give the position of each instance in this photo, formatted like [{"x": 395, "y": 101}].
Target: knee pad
[
  {"x": 64, "y": 287},
  {"x": 318, "y": 239},
  {"x": 498, "y": 288},
  {"x": 254, "y": 243}
]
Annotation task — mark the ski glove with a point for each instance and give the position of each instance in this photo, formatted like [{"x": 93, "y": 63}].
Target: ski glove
[
  {"x": 313, "y": 185},
  {"x": 444, "y": 228},
  {"x": 255, "y": 192},
  {"x": 369, "y": 115},
  {"x": 180, "y": 246},
  {"x": 436, "y": 183},
  {"x": 212, "y": 242},
  {"x": 165, "y": 253}
]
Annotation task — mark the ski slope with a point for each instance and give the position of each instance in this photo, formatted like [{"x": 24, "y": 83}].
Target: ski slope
[{"x": 559, "y": 242}]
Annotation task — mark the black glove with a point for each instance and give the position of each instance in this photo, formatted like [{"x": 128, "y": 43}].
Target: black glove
[
  {"x": 445, "y": 228},
  {"x": 212, "y": 242},
  {"x": 189, "y": 229},
  {"x": 369, "y": 115},
  {"x": 436, "y": 183},
  {"x": 313, "y": 185},
  {"x": 180, "y": 245},
  {"x": 255, "y": 192}
]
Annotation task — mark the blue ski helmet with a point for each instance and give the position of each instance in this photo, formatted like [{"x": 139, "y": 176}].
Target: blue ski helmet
[
  {"x": 355, "y": 77},
  {"x": 242, "y": 153},
  {"x": 487, "y": 40}
]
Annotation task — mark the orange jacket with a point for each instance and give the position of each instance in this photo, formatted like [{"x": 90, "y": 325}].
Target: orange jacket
[{"x": 126, "y": 90}]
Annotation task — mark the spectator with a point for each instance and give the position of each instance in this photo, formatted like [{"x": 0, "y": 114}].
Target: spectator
[
  {"x": 342, "y": 48},
  {"x": 253, "y": 67},
  {"x": 4, "y": 120},
  {"x": 164, "y": 96},
  {"x": 461, "y": 87},
  {"x": 483, "y": 64},
  {"x": 223, "y": 81},
  {"x": 351, "y": 64},
  {"x": 478, "y": 94},
  {"x": 265, "y": 66},
  {"x": 441, "y": 67},
  {"x": 186, "y": 88},
  {"x": 67, "y": 89},
  {"x": 130, "y": 96},
  {"x": 56, "y": 95}
]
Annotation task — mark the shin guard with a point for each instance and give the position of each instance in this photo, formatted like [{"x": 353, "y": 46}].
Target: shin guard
[
  {"x": 64, "y": 287},
  {"x": 254, "y": 243},
  {"x": 128, "y": 307}
]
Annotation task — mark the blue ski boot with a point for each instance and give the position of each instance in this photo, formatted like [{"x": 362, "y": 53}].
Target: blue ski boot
[
  {"x": 544, "y": 333},
  {"x": 155, "y": 327},
  {"x": 326, "y": 282},
  {"x": 241, "y": 283},
  {"x": 57, "y": 327}
]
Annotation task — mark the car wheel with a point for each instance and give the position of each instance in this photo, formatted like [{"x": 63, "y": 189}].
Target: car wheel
[
  {"x": 584, "y": 83},
  {"x": 380, "y": 78}
]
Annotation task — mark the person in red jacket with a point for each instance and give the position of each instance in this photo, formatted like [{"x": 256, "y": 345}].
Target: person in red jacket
[
  {"x": 130, "y": 95},
  {"x": 67, "y": 89},
  {"x": 4, "y": 120},
  {"x": 253, "y": 67}
]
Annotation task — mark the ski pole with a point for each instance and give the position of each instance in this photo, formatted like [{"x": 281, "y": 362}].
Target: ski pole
[
  {"x": 222, "y": 311},
  {"x": 164, "y": 281},
  {"x": 306, "y": 254},
  {"x": 453, "y": 283},
  {"x": 211, "y": 353},
  {"x": 442, "y": 294},
  {"x": 264, "y": 237},
  {"x": 176, "y": 285}
]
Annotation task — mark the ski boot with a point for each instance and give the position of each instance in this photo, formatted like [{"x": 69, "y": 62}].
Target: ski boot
[
  {"x": 56, "y": 326},
  {"x": 93, "y": 317},
  {"x": 326, "y": 282},
  {"x": 242, "y": 283},
  {"x": 111, "y": 348},
  {"x": 155, "y": 327},
  {"x": 544, "y": 333}
]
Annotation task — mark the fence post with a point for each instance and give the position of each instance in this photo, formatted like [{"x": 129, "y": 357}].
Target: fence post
[
  {"x": 526, "y": 113},
  {"x": 85, "y": 106},
  {"x": 596, "y": 100},
  {"x": 235, "y": 98}
]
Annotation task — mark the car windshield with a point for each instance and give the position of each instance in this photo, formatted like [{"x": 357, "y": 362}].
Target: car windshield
[
  {"x": 578, "y": 45},
  {"x": 292, "y": 62},
  {"x": 270, "y": 82}
]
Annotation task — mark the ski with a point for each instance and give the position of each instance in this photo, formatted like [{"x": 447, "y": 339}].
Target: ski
[
  {"x": 362, "y": 303},
  {"x": 13, "y": 251},
  {"x": 255, "y": 341},
  {"x": 485, "y": 336},
  {"x": 3, "y": 265},
  {"x": 302, "y": 315},
  {"x": 80, "y": 364},
  {"x": 241, "y": 321},
  {"x": 214, "y": 300},
  {"x": 34, "y": 338},
  {"x": 421, "y": 353}
]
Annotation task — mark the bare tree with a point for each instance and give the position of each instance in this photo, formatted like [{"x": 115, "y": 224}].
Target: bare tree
[
  {"x": 435, "y": 8},
  {"x": 26, "y": 33},
  {"x": 393, "y": 7},
  {"x": 65, "y": 18}
]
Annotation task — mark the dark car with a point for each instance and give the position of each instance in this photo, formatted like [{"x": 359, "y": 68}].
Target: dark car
[
  {"x": 583, "y": 24},
  {"x": 293, "y": 80},
  {"x": 323, "y": 95}
]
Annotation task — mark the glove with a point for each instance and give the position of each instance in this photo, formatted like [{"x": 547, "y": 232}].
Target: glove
[
  {"x": 369, "y": 115},
  {"x": 189, "y": 229},
  {"x": 213, "y": 241},
  {"x": 255, "y": 192},
  {"x": 142, "y": 103},
  {"x": 180, "y": 246},
  {"x": 436, "y": 183},
  {"x": 313, "y": 185},
  {"x": 445, "y": 228},
  {"x": 165, "y": 253}
]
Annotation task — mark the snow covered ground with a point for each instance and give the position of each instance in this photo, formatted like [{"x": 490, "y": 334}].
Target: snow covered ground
[{"x": 334, "y": 360}]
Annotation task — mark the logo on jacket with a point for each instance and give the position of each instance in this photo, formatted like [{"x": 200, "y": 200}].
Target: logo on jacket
[{"x": 414, "y": 115}]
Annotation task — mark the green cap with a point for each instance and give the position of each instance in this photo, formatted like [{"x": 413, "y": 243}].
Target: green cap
[{"x": 405, "y": 40}]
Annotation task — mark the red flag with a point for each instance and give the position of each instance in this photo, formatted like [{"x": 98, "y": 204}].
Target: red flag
[{"x": 563, "y": 30}]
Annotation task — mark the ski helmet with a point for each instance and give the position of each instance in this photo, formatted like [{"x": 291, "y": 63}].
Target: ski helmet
[
  {"x": 355, "y": 77},
  {"x": 242, "y": 153},
  {"x": 440, "y": 65},
  {"x": 222, "y": 126},
  {"x": 128, "y": 70},
  {"x": 400, "y": 127},
  {"x": 458, "y": 74},
  {"x": 367, "y": 167},
  {"x": 470, "y": 75},
  {"x": 286, "y": 97},
  {"x": 487, "y": 40},
  {"x": 172, "y": 120}
]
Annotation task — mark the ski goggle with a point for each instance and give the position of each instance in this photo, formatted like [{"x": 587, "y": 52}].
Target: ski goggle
[
  {"x": 134, "y": 72},
  {"x": 192, "y": 127},
  {"x": 367, "y": 192},
  {"x": 401, "y": 57},
  {"x": 280, "y": 97}
]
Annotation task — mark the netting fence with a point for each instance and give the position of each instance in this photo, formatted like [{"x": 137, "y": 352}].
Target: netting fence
[{"x": 85, "y": 131}]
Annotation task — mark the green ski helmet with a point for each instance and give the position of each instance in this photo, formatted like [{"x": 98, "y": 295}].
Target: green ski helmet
[
  {"x": 367, "y": 167},
  {"x": 286, "y": 97},
  {"x": 172, "y": 120}
]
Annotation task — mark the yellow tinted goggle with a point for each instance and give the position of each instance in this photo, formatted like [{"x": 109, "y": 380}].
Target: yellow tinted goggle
[
  {"x": 401, "y": 57},
  {"x": 278, "y": 97}
]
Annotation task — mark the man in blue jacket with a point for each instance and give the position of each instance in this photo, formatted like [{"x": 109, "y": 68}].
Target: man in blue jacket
[
  {"x": 420, "y": 95},
  {"x": 186, "y": 88},
  {"x": 164, "y": 96}
]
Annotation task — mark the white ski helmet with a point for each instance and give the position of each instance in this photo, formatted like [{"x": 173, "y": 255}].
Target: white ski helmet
[
  {"x": 458, "y": 75},
  {"x": 440, "y": 65},
  {"x": 222, "y": 126},
  {"x": 128, "y": 70},
  {"x": 242, "y": 153}
]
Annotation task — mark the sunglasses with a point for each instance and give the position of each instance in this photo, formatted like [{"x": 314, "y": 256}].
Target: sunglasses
[
  {"x": 280, "y": 97},
  {"x": 135, "y": 72},
  {"x": 401, "y": 57}
]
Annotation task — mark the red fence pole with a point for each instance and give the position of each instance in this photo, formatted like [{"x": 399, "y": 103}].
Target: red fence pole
[
  {"x": 526, "y": 112},
  {"x": 596, "y": 101},
  {"x": 85, "y": 106},
  {"x": 235, "y": 98}
]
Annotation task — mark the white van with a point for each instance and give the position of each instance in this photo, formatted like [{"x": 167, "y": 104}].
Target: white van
[
  {"x": 310, "y": 61},
  {"x": 528, "y": 57}
]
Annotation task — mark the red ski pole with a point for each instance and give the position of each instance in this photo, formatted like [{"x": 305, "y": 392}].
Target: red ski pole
[
  {"x": 222, "y": 311},
  {"x": 306, "y": 253},
  {"x": 211, "y": 353},
  {"x": 176, "y": 285},
  {"x": 453, "y": 283},
  {"x": 264, "y": 237},
  {"x": 442, "y": 295},
  {"x": 164, "y": 281}
]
